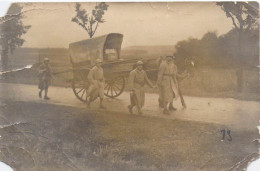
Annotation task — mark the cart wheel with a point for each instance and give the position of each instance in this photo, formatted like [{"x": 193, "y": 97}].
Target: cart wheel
[
  {"x": 80, "y": 86},
  {"x": 114, "y": 87}
]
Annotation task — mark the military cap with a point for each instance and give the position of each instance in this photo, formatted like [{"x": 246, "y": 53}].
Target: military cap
[
  {"x": 139, "y": 63},
  {"x": 98, "y": 61}
]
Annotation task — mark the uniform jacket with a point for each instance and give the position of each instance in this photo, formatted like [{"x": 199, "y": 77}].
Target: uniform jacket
[
  {"x": 96, "y": 74},
  {"x": 96, "y": 79},
  {"x": 45, "y": 72},
  {"x": 167, "y": 80},
  {"x": 137, "y": 80}
]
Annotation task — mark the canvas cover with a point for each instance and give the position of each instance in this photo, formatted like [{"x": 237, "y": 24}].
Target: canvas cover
[{"x": 87, "y": 51}]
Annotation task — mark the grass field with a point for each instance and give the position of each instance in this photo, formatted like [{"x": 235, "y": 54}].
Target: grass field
[{"x": 50, "y": 137}]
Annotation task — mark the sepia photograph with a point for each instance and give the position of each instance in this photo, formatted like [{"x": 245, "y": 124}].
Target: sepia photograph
[{"x": 130, "y": 86}]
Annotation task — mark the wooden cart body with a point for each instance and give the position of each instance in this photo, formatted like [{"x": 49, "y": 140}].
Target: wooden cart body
[{"x": 83, "y": 55}]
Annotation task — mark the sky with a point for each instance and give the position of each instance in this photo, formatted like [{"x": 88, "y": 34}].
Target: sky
[{"x": 140, "y": 23}]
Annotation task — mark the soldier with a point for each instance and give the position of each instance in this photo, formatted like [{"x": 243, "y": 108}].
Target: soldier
[
  {"x": 96, "y": 88},
  {"x": 137, "y": 80},
  {"x": 167, "y": 82},
  {"x": 160, "y": 99},
  {"x": 45, "y": 76}
]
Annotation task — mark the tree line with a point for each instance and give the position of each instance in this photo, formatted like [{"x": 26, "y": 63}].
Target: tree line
[{"x": 221, "y": 51}]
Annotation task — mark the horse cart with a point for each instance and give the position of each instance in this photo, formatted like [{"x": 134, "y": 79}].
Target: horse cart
[{"x": 83, "y": 55}]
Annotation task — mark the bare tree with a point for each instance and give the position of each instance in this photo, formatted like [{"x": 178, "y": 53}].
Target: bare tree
[
  {"x": 12, "y": 28},
  {"x": 244, "y": 16},
  {"x": 90, "y": 22}
]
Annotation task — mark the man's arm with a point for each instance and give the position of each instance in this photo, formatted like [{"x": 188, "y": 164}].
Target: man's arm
[
  {"x": 50, "y": 71},
  {"x": 41, "y": 69},
  {"x": 183, "y": 75},
  {"x": 147, "y": 80}
]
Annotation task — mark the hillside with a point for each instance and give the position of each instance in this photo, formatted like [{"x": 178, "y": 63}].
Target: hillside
[
  {"x": 147, "y": 51},
  {"x": 22, "y": 57},
  {"x": 60, "y": 56}
]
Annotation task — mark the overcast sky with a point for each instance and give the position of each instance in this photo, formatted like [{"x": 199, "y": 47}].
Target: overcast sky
[{"x": 141, "y": 23}]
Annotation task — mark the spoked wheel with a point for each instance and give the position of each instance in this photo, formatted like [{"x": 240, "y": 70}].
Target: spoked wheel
[
  {"x": 80, "y": 86},
  {"x": 114, "y": 87}
]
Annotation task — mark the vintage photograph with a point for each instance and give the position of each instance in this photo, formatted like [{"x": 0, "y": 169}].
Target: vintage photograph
[{"x": 130, "y": 86}]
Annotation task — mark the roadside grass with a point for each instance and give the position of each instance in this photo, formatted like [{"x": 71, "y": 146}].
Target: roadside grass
[{"x": 67, "y": 138}]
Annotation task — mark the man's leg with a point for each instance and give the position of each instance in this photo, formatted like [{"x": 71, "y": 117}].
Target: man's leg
[
  {"x": 40, "y": 93},
  {"x": 139, "y": 109},
  {"x": 101, "y": 95},
  {"x": 46, "y": 86},
  {"x": 46, "y": 93},
  {"x": 130, "y": 108},
  {"x": 182, "y": 99},
  {"x": 101, "y": 106},
  {"x": 89, "y": 101},
  {"x": 171, "y": 107},
  {"x": 40, "y": 86},
  {"x": 165, "y": 110},
  {"x": 160, "y": 99},
  {"x": 138, "y": 100},
  {"x": 88, "y": 93},
  {"x": 165, "y": 100},
  {"x": 132, "y": 103}
]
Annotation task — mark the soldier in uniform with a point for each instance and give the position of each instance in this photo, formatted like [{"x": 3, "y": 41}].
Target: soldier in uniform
[
  {"x": 96, "y": 80},
  {"x": 167, "y": 83},
  {"x": 180, "y": 76},
  {"x": 160, "y": 99},
  {"x": 137, "y": 81},
  {"x": 45, "y": 76}
]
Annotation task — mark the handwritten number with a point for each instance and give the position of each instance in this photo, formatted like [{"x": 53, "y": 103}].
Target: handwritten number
[
  {"x": 229, "y": 134},
  {"x": 223, "y": 131}
]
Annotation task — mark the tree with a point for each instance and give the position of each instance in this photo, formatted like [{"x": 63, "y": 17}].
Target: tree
[
  {"x": 89, "y": 22},
  {"x": 12, "y": 28},
  {"x": 219, "y": 51},
  {"x": 244, "y": 16}
]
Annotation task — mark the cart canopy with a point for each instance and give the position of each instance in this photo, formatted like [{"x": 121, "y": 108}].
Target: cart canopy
[{"x": 106, "y": 48}]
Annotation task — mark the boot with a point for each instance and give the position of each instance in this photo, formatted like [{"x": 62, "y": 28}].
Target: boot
[
  {"x": 101, "y": 106},
  {"x": 88, "y": 104},
  {"x": 130, "y": 109},
  {"x": 88, "y": 101},
  {"x": 171, "y": 108},
  {"x": 46, "y": 98},
  {"x": 166, "y": 112},
  {"x": 139, "y": 110}
]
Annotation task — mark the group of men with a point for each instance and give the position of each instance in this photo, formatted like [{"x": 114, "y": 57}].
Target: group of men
[{"x": 166, "y": 83}]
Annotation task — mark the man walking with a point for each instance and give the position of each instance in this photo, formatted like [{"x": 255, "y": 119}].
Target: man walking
[
  {"x": 160, "y": 99},
  {"x": 96, "y": 80},
  {"x": 137, "y": 81},
  {"x": 45, "y": 76},
  {"x": 167, "y": 83}
]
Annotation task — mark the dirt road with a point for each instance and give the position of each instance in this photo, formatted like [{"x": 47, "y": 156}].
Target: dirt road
[
  {"x": 61, "y": 134},
  {"x": 234, "y": 114}
]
